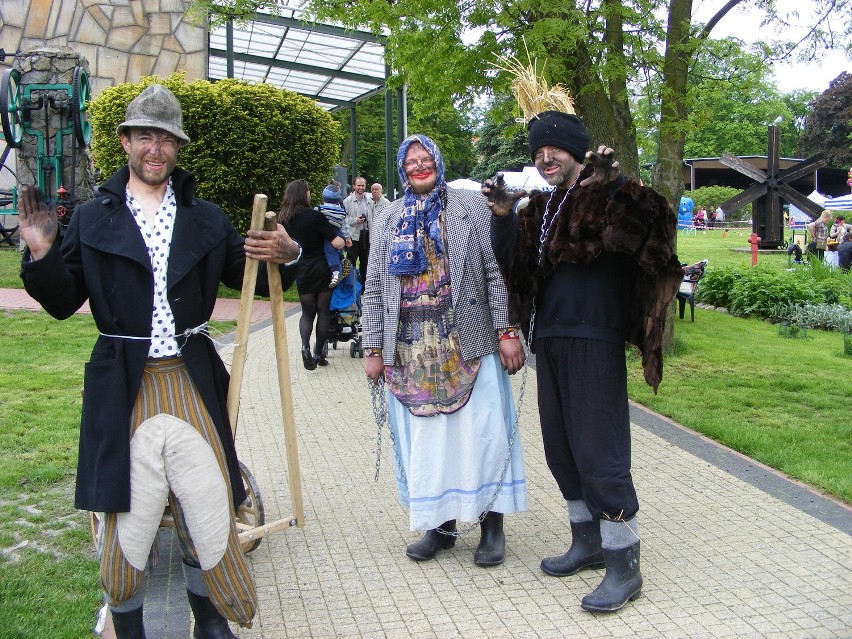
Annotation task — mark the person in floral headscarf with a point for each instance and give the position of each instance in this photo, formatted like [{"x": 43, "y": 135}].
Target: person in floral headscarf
[{"x": 435, "y": 328}]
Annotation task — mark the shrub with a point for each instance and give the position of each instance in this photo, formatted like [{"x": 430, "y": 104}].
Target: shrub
[
  {"x": 757, "y": 292},
  {"x": 716, "y": 285},
  {"x": 828, "y": 317},
  {"x": 246, "y": 139}
]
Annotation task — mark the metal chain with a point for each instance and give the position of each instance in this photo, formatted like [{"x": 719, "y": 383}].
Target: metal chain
[
  {"x": 380, "y": 412},
  {"x": 542, "y": 242}
]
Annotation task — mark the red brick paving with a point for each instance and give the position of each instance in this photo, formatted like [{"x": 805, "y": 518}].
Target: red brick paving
[{"x": 225, "y": 309}]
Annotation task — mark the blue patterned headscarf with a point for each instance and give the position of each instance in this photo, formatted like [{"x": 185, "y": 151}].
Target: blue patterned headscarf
[{"x": 420, "y": 214}]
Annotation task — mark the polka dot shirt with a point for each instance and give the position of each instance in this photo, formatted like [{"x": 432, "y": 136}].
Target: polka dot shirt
[{"x": 158, "y": 239}]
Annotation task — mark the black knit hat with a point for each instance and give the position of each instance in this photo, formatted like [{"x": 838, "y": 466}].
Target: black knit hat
[{"x": 562, "y": 130}]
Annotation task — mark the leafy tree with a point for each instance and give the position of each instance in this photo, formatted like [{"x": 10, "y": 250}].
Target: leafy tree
[
  {"x": 733, "y": 98},
  {"x": 502, "y": 143},
  {"x": 708, "y": 196},
  {"x": 369, "y": 138},
  {"x": 273, "y": 136},
  {"x": 592, "y": 47},
  {"x": 828, "y": 127},
  {"x": 447, "y": 127}
]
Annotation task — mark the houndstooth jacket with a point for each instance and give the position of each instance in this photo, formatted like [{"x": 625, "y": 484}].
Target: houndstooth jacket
[{"x": 478, "y": 290}]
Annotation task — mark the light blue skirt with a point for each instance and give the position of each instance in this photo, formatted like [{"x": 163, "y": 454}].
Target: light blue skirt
[{"x": 451, "y": 464}]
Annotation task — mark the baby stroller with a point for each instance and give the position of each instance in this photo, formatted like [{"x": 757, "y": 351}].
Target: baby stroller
[{"x": 346, "y": 314}]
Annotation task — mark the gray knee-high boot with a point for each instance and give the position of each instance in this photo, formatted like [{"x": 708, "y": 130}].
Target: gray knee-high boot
[{"x": 623, "y": 581}]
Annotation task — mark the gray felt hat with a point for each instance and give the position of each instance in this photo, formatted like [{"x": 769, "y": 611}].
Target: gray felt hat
[{"x": 155, "y": 108}]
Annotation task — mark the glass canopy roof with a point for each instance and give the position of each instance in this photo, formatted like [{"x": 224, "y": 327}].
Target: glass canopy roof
[{"x": 333, "y": 66}]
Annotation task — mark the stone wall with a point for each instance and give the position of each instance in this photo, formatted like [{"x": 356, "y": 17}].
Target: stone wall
[
  {"x": 118, "y": 40},
  {"x": 122, "y": 40}
]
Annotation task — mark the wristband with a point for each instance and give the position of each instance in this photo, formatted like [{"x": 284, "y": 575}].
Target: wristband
[
  {"x": 373, "y": 352},
  {"x": 507, "y": 333}
]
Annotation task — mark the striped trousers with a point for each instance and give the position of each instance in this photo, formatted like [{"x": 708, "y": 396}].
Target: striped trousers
[{"x": 176, "y": 456}]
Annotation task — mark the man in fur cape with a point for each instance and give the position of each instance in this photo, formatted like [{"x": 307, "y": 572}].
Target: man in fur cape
[{"x": 589, "y": 265}]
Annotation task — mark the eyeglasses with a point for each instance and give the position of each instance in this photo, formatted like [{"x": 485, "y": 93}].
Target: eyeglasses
[{"x": 413, "y": 164}]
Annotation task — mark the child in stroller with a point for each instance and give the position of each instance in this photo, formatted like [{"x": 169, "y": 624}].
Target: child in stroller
[
  {"x": 332, "y": 209},
  {"x": 346, "y": 314}
]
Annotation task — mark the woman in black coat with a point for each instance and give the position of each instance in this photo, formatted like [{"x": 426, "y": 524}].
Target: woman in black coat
[{"x": 310, "y": 229}]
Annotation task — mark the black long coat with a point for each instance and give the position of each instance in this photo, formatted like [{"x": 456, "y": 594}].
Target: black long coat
[{"x": 103, "y": 258}]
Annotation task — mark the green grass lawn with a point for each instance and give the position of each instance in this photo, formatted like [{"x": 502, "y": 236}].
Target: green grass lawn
[
  {"x": 781, "y": 401},
  {"x": 731, "y": 250},
  {"x": 48, "y": 570},
  {"x": 10, "y": 266}
]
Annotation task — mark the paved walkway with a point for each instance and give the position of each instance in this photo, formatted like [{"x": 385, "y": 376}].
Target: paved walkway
[{"x": 730, "y": 548}]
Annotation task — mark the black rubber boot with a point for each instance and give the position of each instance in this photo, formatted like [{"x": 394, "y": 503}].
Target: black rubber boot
[
  {"x": 209, "y": 623},
  {"x": 432, "y": 542},
  {"x": 128, "y": 625},
  {"x": 492, "y": 544},
  {"x": 622, "y": 582},
  {"x": 585, "y": 551}
]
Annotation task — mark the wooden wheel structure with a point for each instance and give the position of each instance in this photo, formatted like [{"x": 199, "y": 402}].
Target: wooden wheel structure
[
  {"x": 251, "y": 517},
  {"x": 770, "y": 188}
]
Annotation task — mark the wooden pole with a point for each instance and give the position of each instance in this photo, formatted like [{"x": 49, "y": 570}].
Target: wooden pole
[
  {"x": 279, "y": 330},
  {"x": 238, "y": 360}
]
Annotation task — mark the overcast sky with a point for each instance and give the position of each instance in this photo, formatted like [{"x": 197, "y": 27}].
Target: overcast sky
[{"x": 745, "y": 25}]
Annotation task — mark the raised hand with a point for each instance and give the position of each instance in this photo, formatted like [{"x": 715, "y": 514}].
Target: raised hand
[
  {"x": 37, "y": 221},
  {"x": 605, "y": 165},
  {"x": 499, "y": 198}
]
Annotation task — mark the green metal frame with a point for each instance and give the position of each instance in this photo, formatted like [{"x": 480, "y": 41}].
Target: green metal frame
[{"x": 390, "y": 148}]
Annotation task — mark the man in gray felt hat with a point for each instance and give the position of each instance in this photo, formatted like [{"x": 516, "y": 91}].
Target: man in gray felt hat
[
  {"x": 589, "y": 265},
  {"x": 149, "y": 256}
]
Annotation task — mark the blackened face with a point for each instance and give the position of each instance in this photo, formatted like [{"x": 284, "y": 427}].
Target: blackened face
[
  {"x": 151, "y": 154},
  {"x": 556, "y": 166}
]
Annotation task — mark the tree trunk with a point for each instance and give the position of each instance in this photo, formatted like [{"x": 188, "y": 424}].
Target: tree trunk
[
  {"x": 604, "y": 108},
  {"x": 668, "y": 171}
]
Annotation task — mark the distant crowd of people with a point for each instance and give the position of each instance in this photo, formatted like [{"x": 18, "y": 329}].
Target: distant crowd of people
[
  {"x": 703, "y": 217},
  {"x": 831, "y": 242}
]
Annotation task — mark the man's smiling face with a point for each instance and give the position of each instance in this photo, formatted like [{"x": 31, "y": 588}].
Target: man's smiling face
[
  {"x": 556, "y": 165},
  {"x": 152, "y": 154}
]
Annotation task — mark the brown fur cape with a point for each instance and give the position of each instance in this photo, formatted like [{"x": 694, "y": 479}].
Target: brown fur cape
[{"x": 636, "y": 221}]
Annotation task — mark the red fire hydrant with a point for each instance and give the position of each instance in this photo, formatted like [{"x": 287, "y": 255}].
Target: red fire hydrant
[{"x": 754, "y": 240}]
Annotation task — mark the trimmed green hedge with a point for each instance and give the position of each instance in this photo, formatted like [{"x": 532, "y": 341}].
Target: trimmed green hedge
[
  {"x": 246, "y": 139},
  {"x": 755, "y": 292}
]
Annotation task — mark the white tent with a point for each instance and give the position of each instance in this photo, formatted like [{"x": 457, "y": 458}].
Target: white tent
[
  {"x": 817, "y": 197},
  {"x": 799, "y": 216},
  {"x": 466, "y": 184},
  {"x": 843, "y": 203},
  {"x": 527, "y": 179}
]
